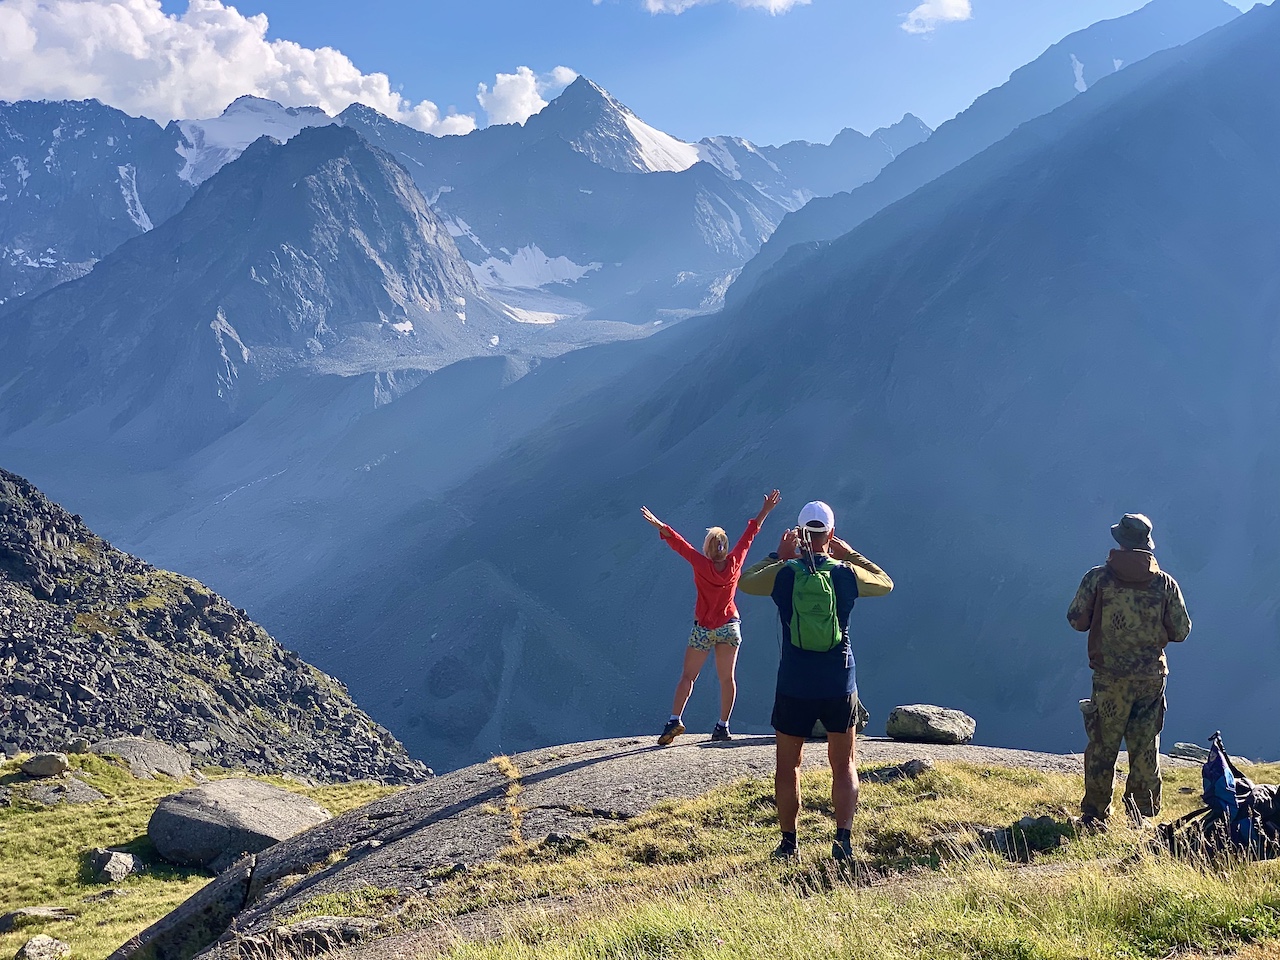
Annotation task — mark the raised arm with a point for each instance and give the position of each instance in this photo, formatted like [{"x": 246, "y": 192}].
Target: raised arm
[
  {"x": 676, "y": 542},
  {"x": 872, "y": 581},
  {"x": 771, "y": 500},
  {"x": 757, "y": 580}
]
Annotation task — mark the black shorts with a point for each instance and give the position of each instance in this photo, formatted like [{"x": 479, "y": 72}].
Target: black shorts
[{"x": 796, "y": 717}]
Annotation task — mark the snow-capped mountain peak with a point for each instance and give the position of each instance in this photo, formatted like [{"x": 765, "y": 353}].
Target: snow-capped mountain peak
[
  {"x": 610, "y": 134},
  {"x": 215, "y": 142}
]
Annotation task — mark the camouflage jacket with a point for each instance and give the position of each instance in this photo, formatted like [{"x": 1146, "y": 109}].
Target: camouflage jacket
[{"x": 1131, "y": 610}]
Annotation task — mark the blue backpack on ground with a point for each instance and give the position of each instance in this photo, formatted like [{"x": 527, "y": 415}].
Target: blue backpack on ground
[{"x": 1239, "y": 816}]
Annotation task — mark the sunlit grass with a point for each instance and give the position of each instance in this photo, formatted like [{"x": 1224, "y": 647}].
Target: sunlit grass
[{"x": 42, "y": 855}]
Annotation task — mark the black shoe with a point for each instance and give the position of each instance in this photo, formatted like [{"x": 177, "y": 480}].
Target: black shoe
[
  {"x": 721, "y": 733},
  {"x": 842, "y": 850},
  {"x": 786, "y": 850},
  {"x": 672, "y": 730}
]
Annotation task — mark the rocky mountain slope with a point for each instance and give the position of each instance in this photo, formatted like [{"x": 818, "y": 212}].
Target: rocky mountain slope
[
  {"x": 1062, "y": 72},
  {"x": 96, "y": 643},
  {"x": 686, "y": 236},
  {"x": 318, "y": 256},
  {"x": 77, "y": 179},
  {"x": 622, "y": 221}
]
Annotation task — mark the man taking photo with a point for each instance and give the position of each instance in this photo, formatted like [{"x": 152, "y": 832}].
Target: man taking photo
[{"x": 814, "y": 579}]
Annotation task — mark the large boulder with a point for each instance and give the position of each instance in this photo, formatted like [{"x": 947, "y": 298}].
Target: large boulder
[
  {"x": 42, "y": 947},
  {"x": 44, "y": 765},
  {"x": 924, "y": 723},
  {"x": 216, "y": 824},
  {"x": 145, "y": 758}
]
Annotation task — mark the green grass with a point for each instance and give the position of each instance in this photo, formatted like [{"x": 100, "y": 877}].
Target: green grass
[
  {"x": 42, "y": 853},
  {"x": 693, "y": 880}
]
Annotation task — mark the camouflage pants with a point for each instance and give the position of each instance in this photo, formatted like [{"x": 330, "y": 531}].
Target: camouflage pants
[{"x": 1129, "y": 709}]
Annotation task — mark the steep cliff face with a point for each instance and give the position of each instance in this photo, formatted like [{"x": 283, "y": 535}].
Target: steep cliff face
[
  {"x": 318, "y": 255},
  {"x": 77, "y": 179},
  {"x": 95, "y": 642}
]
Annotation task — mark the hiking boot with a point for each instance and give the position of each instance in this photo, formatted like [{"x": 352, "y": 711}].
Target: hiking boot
[
  {"x": 1090, "y": 824},
  {"x": 842, "y": 850},
  {"x": 721, "y": 733},
  {"x": 672, "y": 730},
  {"x": 786, "y": 850}
]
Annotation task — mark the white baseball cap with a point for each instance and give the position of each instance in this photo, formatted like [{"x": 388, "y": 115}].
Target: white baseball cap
[{"x": 817, "y": 516}]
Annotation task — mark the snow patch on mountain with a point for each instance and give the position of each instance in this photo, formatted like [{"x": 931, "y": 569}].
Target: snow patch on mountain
[
  {"x": 529, "y": 268},
  {"x": 215, "y": 142},
  {"x": 659, "y": 151},
  {"x": 229, "y": 372},
  {"x": 520, "y": 315},
  {"x": 132, "y": 202},
  {"x": 460, "y": 228},
  {"x": 1078, "y": 67}
]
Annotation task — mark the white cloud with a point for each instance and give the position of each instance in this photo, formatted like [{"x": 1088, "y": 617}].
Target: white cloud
[
  {"x": 515, "y": 97},
  {"x": 774, "y": 7},
  {"x": 926, "y": 17},
  {"x": 131, "y": 55}
]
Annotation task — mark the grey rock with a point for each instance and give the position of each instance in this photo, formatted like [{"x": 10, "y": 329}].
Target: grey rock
[
  {"x": 6, "y": 796},
  {"x": 311, "y": 937},
  {"x": 1189, "y": 751},
  {"x": 77, "y": 745},
  {"x": 212, "y": 825},
  {"x": 911, "y": 769},
  {"x": 46, "y": 765},
  {"x": 917, "y": 767},
  {"x": 112, "y": 866},
  {"x": 145, "y": 758},
  {"x": 925, "y": 723},
  {"x": 194, "y": 925},
  {"x": 26, "y": 916},
  {"x": 42, "y": 947},
  {"x": 50, "y": 793}
]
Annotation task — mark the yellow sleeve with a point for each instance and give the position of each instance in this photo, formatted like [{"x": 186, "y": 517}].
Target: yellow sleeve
[
  {"x": 872, "y": 581},
  {"x": 757, "y": 580}
]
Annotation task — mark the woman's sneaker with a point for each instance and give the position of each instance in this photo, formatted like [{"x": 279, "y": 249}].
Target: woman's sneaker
[
  {"x": 672, "y": 730},
  {"x": 721, "y": 733}
]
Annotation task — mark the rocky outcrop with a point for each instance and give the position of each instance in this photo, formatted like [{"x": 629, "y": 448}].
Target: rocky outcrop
[
  {"x": 925, "y": 723},
  {"x": 96, "y": 644},
  {"x": 50, "y": 793},
  {"x": 216, "y": 824},
  {"x": 145, "y": 758},
  {"x": 407, "y": 840}
]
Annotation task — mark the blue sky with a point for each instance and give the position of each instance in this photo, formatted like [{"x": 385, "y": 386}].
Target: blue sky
[{"x": 715, "y": 69}]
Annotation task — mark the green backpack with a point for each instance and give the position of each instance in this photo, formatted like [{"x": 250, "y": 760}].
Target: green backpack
[{"x": 813, "y": 609}]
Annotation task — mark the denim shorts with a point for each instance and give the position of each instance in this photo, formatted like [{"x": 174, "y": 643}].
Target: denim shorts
[{"x": 703, "y": 639}]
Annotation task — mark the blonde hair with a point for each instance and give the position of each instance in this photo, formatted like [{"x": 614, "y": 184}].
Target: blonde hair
[{"x": 716, "y": 536}]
